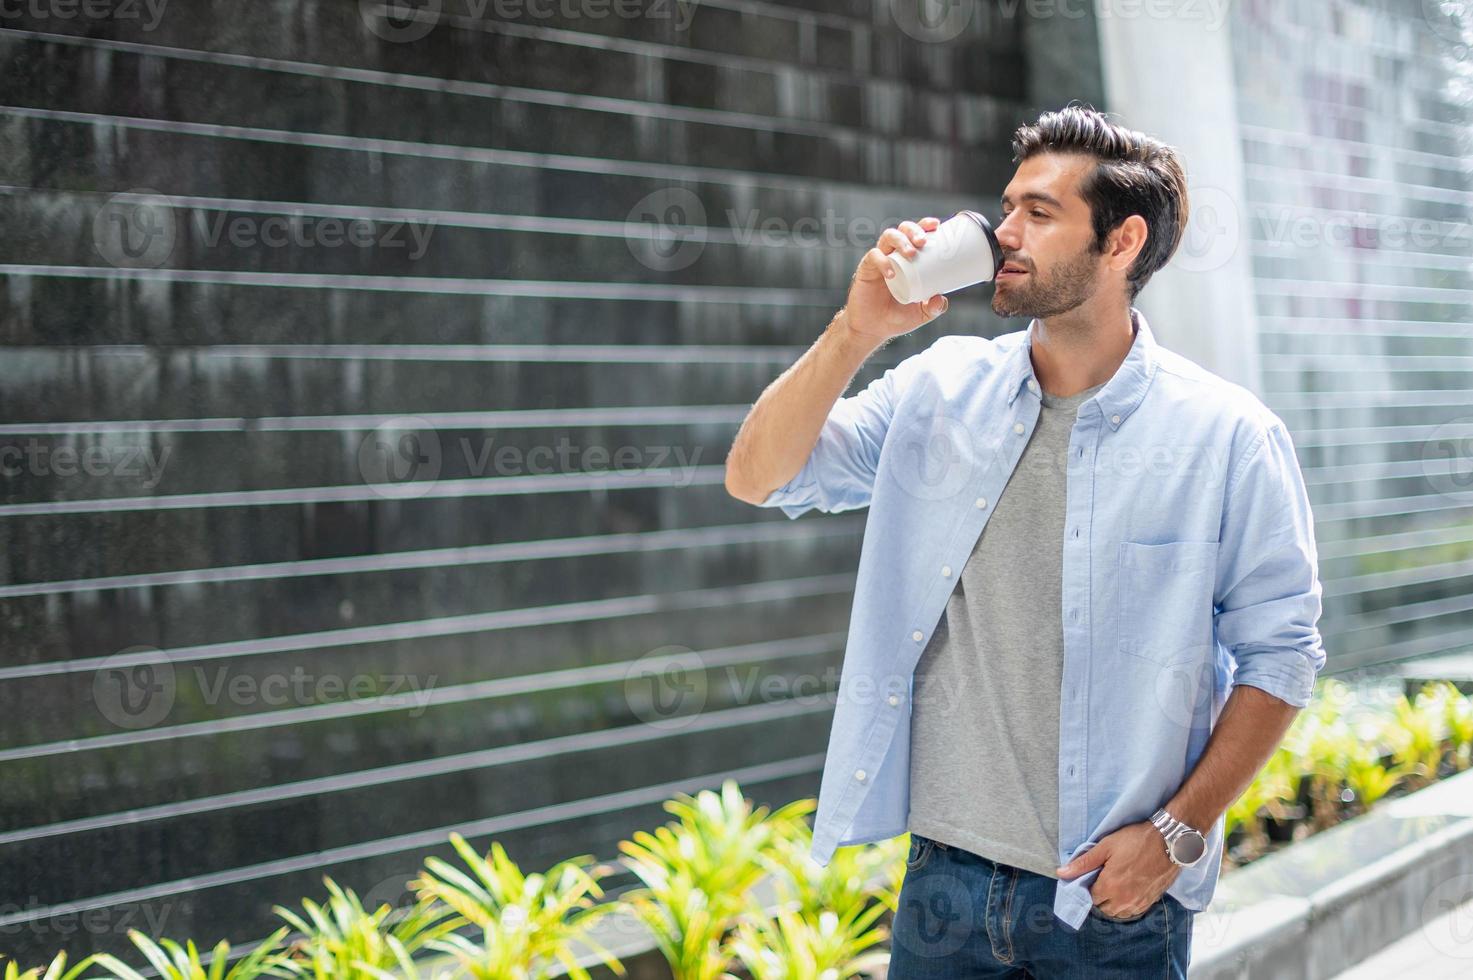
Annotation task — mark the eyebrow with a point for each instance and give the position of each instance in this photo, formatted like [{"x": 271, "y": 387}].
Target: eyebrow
[{"x": 1035, "y": 196}]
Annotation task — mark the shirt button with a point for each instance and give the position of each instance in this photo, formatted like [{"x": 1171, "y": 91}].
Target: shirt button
[
  {"x": 946, "y": 571},
  {"x": 894, "y": 700},
  {"x": 1033, "y": 387},
  {"x": 1115, "y": 419},
  {"x": 1018, "y": 426},
  {"x": 859, "y": 775},
  {"x": 917, "y": 636},
  {"x": 981, "y": 502}
]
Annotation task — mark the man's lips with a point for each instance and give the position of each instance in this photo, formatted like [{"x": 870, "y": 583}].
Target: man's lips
[{"x": 1008, "y": 273}]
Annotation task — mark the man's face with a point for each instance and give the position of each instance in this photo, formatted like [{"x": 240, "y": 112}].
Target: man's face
[{"x": 1046, "y": 231}]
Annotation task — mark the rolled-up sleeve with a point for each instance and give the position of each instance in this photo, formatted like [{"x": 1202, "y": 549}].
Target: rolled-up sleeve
[
  {"x": 1268, "y": 595},
  {"x": 839, "y": 473}
]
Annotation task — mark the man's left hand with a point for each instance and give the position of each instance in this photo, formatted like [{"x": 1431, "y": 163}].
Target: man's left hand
[{"x": 1134, "y": 870}]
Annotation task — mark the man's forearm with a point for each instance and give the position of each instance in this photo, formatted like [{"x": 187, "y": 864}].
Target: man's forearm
[
  {"x": 782, "y": 428},
  {"x": 1251, "y": 726}
]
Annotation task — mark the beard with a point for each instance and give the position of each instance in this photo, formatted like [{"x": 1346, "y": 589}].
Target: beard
[{"x": 1064, "y": 288}]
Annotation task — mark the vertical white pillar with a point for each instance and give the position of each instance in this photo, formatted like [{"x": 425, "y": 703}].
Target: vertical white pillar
[{"x": 1168, "y": 72}]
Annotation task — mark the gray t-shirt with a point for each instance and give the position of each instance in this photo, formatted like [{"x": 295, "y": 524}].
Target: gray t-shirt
[{"x": 984, "y": 763}]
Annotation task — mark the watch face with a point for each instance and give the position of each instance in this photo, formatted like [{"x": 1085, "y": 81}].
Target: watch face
[{"x": 1189, "y": 847}]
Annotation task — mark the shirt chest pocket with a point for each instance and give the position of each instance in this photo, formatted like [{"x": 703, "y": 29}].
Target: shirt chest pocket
[{"x": 1165, "y": 606}]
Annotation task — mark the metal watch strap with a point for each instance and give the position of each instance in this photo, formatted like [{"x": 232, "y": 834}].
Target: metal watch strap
[{"x": 1171, "y": 828}]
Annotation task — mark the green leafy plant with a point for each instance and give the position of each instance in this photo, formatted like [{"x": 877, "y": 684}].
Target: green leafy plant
[
  {"x": 526, "y": 922},
  {"x": 405, "y": 967},
  {"x": 1416, "y": 738},
  {"x": 176, "y": 962},
  {"x": 854, "y": 876},
  {"x": 1246, "y": 812},
  {"x": 1361, "y": 756},
  {"x": 1368, "y": 779},
  {"x": 55, "y": 970},
  {"x": 341, "y": 939},
  {"x": 1273, "y": 790},
  {"x": 697, "y": 870},
  {"x": 794, "y": 946},
  {"x": 1282, "y": 776},
  {"x": 1330, "y": 746},
  {"x": 898, "y": 848},
  {"x": 1457, "y": 720}
]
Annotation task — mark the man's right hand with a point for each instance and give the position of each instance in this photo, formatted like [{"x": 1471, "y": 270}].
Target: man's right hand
[{"x": 871, "y": 311}]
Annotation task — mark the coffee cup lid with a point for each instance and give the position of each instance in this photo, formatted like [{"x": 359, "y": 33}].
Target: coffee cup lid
[{"x": 997, "y": 259}]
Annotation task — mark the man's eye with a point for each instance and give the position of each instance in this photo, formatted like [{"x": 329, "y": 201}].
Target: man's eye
[{"x": 1038, "y": 214}]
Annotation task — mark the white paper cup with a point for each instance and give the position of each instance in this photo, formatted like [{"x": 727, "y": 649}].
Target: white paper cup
[{"x": 962, "y": 252}]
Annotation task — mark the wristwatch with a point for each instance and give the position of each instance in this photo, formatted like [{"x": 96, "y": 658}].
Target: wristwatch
[{"x": 1184, "y": 845}]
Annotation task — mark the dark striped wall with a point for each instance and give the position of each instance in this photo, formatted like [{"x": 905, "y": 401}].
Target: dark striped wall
[{"x": 317, "y": 323}]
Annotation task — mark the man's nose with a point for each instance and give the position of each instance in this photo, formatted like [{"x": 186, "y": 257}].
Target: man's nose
[{"x": 1009, "y": 234}]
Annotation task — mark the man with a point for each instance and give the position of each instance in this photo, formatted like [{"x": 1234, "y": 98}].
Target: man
[{"x": 1087, "y": 603}]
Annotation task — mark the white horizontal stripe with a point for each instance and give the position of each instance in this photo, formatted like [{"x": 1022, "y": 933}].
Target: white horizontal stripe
[
  {"x": 746, "y": 179},
  {"x": 585, "y": 610},
  {"x": 423, "y": 490},
  {"x": 517, "y": 418},
  {"x": 503, "y": 353},
  {"x": 596, "y": 544},
  {"x": 756, "y": 295}
]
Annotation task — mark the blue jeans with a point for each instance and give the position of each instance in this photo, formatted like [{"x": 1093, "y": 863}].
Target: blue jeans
[{"x": 964, "y": 917}]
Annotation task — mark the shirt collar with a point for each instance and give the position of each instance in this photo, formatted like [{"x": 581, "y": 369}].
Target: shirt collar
[{"x": 1120, "y": 395}]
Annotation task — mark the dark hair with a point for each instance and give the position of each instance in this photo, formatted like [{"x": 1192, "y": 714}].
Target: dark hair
[{"x": 1135, "y": 174}]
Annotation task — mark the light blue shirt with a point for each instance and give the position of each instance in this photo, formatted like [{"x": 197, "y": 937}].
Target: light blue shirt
[{"x": 1189, "y": 565}]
